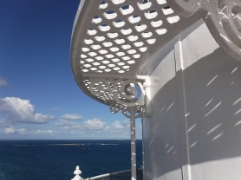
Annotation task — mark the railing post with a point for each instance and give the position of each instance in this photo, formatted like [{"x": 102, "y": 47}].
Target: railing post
[
  {"x": 77, "y": 173},
  {"x": 133, "y": 143}
]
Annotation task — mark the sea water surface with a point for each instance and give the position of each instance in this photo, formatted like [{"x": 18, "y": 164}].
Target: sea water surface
[{"x": 57, "y": 159}]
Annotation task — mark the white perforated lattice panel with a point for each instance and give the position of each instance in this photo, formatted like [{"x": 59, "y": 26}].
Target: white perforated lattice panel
[{"x": 114, "y": 37}]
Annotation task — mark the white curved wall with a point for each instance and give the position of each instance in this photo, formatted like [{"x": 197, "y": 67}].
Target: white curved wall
[{"x": 194, "y": 132}]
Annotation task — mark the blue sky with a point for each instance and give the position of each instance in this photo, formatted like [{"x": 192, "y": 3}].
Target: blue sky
[{"x": 39, "y": 98}]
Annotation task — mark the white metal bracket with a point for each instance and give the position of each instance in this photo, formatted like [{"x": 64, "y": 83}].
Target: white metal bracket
[{"x": 223, "y": 18}]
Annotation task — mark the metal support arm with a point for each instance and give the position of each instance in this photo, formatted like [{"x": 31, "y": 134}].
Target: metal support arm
[{"x": 223, "y": 18}]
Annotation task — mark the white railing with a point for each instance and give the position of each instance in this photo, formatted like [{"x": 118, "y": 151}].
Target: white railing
[{"x": 108, "y": 176}]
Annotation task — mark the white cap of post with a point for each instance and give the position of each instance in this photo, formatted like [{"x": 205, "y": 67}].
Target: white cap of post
[{"x": 77, "y": 173}]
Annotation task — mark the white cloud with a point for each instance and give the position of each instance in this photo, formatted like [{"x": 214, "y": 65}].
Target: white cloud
[
  {"x": 22, "y": 111},
  {"x": 117, "y": 125},
  {"x": 95, "y": 124},
  {"x": 4, "y": 123},
  {"x": 71, "y": 117},
  {"x": 10, "y": 130},
  {"x": 126, "y": 123},
  {"x": 3, "y": 82},
  {"x": 44, "y": 132},
  {"x": 21, "y": 131},
  {"x": 89, "y": 125},
  {"x": 65, "y": 125}
]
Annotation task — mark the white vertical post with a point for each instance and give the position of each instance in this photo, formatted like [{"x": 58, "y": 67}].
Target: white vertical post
[
  {"x": 77, "y": 173},
  {"x": 133, "y": 143}
]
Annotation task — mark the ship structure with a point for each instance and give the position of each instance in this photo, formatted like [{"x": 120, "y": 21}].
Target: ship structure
[{"x": 176, "y": 65}]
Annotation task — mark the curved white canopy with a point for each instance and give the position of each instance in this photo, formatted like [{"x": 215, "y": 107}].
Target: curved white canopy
[{"x": 112, "y": 38}]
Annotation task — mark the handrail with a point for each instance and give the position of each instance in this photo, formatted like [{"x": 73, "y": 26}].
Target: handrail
[{"x": 112, "y": 174}]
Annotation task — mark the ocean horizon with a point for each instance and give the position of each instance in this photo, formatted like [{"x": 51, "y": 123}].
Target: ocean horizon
[{"x": 56, "y": 159}]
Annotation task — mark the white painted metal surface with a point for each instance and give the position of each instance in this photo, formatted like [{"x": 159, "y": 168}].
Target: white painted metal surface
[{"x": 194, "y": 130}]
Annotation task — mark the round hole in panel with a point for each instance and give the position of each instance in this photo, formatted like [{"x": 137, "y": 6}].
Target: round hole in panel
[
  {"x": 134, "y": 19},
  {"x": 91, "y": 32},
  {"x": 126, "y": 31},
  {"x": 111, "y": 65},
  {"x": 121, "y": 63},
  {"x": 105, "y": 62},
  {"x": 132, "y": 38},
  {"x": 138, "y": 44},
  {"x": 82, "y": 62},
  {"x": 156, "y": 23},
  {"x": 131, "y": 62},
  {"x": 104, "y": 27},
  {"x": 140, "y": 27},
  {"x": 85, "y": 49},
  {"x": 103, "y": 5},
  {"x": 173, "y": 19},
  {"x": 99, "y": 38},
  {"x": 116, "y": 68},
  {"x": 143, "y": 49},
  {"x": 131, "y": 51},
  {"x": 151, "y": 41},
  {"x": 121, "y": 71},
  {"x": 151, "y": 14},
  {"x": 114, "y": 49},
  {"x": 167, "y": 11},
  {"x": 99, "y": 71},
  {"x": 115, "y": 60},
  {"x": 161, "y": 2},
  {"x": 108, "y": 56},
  {"x": 88, "y": 41},
  {"x": 89, "y": 60},
  {"x": 112, "y": 35},
  {"x": 119, "y": 23},
  {"x": 110, "y": 14},
  {"x": 126, "y": 46},
  {"x": 95, "y": 46},
  {"x": 126, "y": 9},
  {"x": 107, "y": 44},
  {"x": 161, "y": 31},
  {"x": 87, "y": 65},
  {"x": 126, "y": 67},
  {"x": 93, "y": 69},
  {"x": 119, "y": 41},
  {"x": 126, "y": 58},
  {"x": 99, "y": 58},
  {"x": 96, "y": 63},
  {"x": 120, "y": 54},
  {"x": 83, "y": 56},
  {"x": 85, "y": 70},
  {"x": 96, "y": 20},
  {"x": 102, "y": 67},
  {"x": 107, "y": 70},
  {"x": 92, "y": 54},
  {"x": 137, "y": 56},
  {"x": 103, "y": 51},
  {"x": 117, "y": 1},
  {"x": 147, "y": 34},
  {"x": 144, "y": 5}
]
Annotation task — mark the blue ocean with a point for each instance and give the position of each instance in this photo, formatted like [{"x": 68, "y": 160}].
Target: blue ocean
[{"x": 57, "y": 159}]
